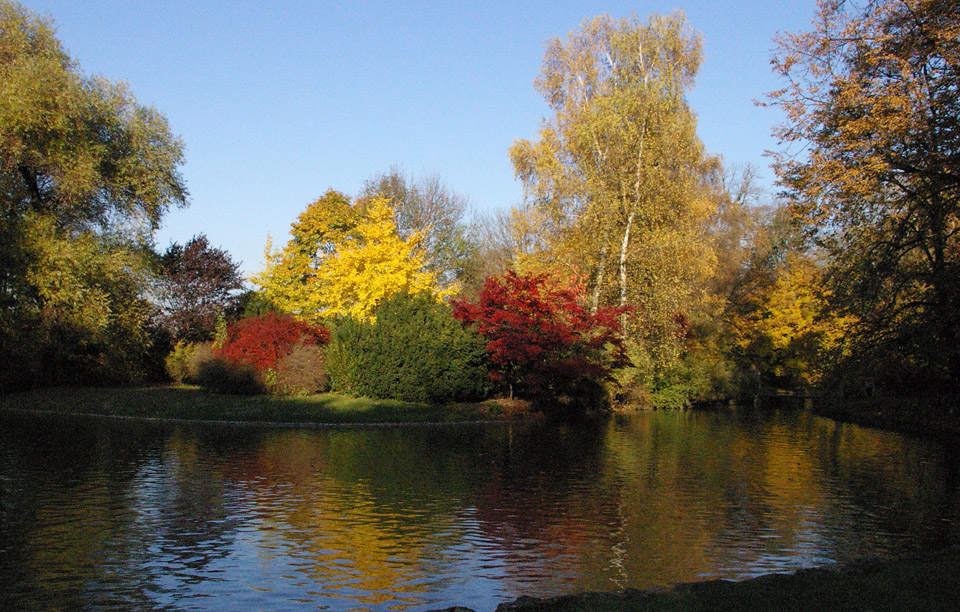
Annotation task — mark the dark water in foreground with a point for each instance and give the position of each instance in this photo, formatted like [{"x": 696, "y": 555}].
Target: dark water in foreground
[{"x": 103, "y": 515}]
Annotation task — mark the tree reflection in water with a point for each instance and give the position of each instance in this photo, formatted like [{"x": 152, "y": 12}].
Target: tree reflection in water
[{"x": 121, "y": 515}]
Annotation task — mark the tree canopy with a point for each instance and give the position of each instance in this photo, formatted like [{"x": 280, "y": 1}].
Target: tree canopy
[
  {"x": 76, "y": 147},
  {"x": 543, "y": 344},
  {"x": 872, "y": 95},
  {"x": 618, "y": 186},
  {"x": 616, "y": 177},
  {"x": 342, "y": 261},
  {"x": 427, "y": 207},
  {"x": 86, "y": 173},
  {"x": 631, "y": 240},
  {"x": 196, "y": 286}
]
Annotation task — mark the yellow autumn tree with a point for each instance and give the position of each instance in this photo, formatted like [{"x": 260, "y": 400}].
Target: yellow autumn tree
[
  {"x": 342, "y": 262},
  {"x": 375, "y": 265},
  {"x": 871, "y": 164},
  {"x": 788, "y": 329},
  {"x": 291, "y": 277},
  {"x": 618, "y": 188},
  {"x": 617, "y": 185}
]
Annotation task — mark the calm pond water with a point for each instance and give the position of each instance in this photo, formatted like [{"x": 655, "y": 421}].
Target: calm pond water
[{"x": 105, "y": 515}]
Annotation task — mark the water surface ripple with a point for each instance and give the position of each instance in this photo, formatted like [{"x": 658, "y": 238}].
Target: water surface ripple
[{"x": 116, "y": 516}]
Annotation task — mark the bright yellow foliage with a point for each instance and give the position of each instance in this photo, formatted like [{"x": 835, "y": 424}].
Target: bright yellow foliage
[
  {"x": 341, "y": 263},
  {"x": 616, "y": 184},
  {"x": 290, "y": 280},
  {"x": 376, "y": 265},
  {"x": 790, "y": 329}
]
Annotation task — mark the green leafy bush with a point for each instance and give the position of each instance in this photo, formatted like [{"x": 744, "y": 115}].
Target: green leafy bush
[
  {"x": 184, "y": 363},
  {"x": 272, "y": 352},
  {"x": 177, "y": 361},
  {"x": 414, "y": 351},
  {"x": 199, "y": 363},
  {"x": 302, "y": 372},
  {"x": 202, "y": 353}
]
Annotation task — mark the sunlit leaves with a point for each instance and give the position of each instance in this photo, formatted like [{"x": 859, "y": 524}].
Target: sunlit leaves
[
  {"x": 377, "y": 265},
  {"x": 342, "y": 263},
  {"x": 427, "y": 207},
  {"x": 290, "y": 279},
  {"x": 787, "y": 330},
  {"x": 86, "y": 174},
  {"x": 617, "y": 184},
  {"x": 543, "y": 343},
  {"x": 263, "y": 341},
  {"x": 872, "y": 96},
  {"x": 80, "y": 307},
  {"x": 80, "y": 148}
]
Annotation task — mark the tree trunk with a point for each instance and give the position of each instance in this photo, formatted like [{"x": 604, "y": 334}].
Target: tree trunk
[
  {"x": 624, "y": 246},
  {"x": 595, "y": 299}
]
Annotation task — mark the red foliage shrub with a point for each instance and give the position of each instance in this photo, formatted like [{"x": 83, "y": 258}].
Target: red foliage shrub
[
  {"x": 263, "y": 341},
  {"x": 542, "y": 342}
]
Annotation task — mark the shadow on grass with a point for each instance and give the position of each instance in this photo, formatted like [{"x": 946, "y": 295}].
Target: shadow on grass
[{"x": 195, "y": 404}]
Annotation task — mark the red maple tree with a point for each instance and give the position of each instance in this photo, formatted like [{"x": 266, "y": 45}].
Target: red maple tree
[{"x": 543, "y": 343}]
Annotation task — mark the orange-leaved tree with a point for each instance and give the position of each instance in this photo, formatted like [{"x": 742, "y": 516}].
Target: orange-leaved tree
[{"x": 872, "y": 103}]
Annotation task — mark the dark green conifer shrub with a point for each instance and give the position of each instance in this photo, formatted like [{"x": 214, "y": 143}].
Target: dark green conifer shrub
[{"x": 414, "y": 351}]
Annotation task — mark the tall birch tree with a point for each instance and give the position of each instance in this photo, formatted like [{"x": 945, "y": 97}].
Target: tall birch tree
[{"x": 617, "y": 183}]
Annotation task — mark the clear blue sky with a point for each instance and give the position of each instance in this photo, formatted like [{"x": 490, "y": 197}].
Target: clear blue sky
[{"x": 277, "y": 101}]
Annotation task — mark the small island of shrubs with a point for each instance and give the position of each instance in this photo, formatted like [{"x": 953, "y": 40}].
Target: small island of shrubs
[{"x": 524, "y": 338}]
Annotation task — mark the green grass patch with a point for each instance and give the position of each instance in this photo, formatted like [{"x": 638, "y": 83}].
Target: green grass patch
[{"x": 194, "y": 404}]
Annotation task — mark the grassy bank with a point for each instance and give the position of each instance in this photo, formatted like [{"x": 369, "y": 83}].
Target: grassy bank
[
  {"x": 194, "y": 404},
  {"x": 923, "y": 583}
]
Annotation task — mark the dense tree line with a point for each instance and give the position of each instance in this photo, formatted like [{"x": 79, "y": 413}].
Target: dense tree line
[
  {"x": 872, "y": 92},
  {"x": 638, "y": 268}
]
